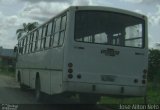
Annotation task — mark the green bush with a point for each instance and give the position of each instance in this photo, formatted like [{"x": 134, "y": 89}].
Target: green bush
[
  {"x": 153, "y": 97},
  {"x": 154, "y": 64}
]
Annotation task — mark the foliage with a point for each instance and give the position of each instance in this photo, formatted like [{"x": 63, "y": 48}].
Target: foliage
[
  {"x": 153, "y": 97},
  {"x": 7, "y": 72},
  {"x": 154, "y": 63},
  {"x": 26, "y": 28}
]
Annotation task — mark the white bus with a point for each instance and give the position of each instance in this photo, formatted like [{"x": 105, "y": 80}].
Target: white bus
[{"x": 91, "y": 51}]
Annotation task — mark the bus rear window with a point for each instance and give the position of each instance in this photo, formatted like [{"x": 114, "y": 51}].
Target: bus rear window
[{"x": 109, "y": 28}]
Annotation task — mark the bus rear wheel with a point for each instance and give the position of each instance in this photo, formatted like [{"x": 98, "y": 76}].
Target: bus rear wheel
[
  {"x": 22, "y": 86},
  {"x": 38, "y": 93}
]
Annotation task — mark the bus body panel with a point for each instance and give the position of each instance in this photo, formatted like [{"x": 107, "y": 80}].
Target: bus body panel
[
  {"x": 32, "y": 77},
  {"x": 45, "y": 81},
  {"x": 108, "y": 73},
  {"x": 100, "y": 74},
  {"x": 105, "y": 89},
  {"x": 113, "y": 74},
  {"x": 46, "y": 65},
  {"x": 92, "y": 64},
  {"x": 56, "y": 82},
  {"x": 25, "y": 76}
]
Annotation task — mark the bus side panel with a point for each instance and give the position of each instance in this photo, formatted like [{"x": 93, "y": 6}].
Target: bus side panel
[
  {"x": 45, "y": 81},
  {"x": 57, "y": 68},
  {"x": 56, "y": 82},
  {"x": 25, "y": 76},
  {"x": 32, "y": 78},
  {"x": 68, "y": 43}
]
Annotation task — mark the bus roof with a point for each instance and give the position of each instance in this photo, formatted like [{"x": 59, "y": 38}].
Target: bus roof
[
  {"x": 95, "y": 8},
  {"x": 111, "y": 9}
]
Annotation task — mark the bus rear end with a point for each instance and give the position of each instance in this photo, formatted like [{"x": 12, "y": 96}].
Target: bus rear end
[{"x": 107, "y": 53}]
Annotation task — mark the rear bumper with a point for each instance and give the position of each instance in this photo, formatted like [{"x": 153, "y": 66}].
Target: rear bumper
[{"x": 103, "y": 89}]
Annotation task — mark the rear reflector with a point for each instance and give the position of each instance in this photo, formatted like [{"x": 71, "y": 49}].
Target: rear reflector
[
  {"x": 79, "y": 76},
  {"x": 136, "y": 81}
]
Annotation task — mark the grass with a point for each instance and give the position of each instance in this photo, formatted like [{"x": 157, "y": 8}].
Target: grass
[
  {"x": 7, "y": 73},
  {"x": 153, "y": 97}
]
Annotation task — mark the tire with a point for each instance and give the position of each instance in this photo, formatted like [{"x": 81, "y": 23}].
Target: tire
[
  {"x": 38, "y": 93},
  {"x": 22, "y": 86}
]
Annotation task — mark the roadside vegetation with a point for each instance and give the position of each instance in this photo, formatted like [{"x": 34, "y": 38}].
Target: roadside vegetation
[
  {"x": 153, "y": 97},
  {"x": 8, "y": 72},
  {"x": 27, "y": 27}
]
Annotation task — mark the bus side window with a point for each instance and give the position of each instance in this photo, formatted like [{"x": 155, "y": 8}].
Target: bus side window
[
  {"x": 58, "y": 22},
  {"x": 50, "y": 25},
  {"x": 46, "y": 44},
  {"x": 31, "y": 42},
  {"x": 32, "y": 36},
  {"x": 26, "y": 44},
  {"x": 52, "y": 34},
  {"x": 62, "y": 32},
  {"x": 20, "y": 47},
  {"x": 56, "y": 34},
  {"x": 49, "y": 32},
  {"x": 39, "y": 38},
  {"x": 43, "y": 37},
  {"x": 29, "y": 45},
  {"x": 36, "y": 42},
  {"x": 63, "y": 22}
]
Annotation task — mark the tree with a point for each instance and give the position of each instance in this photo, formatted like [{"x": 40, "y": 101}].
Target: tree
[
  {"x": 154, "y": 64},
  {"x": 26, "y": 28}
]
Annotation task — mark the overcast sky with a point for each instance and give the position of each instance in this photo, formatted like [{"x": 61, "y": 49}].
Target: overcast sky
[{"x": 15, "y": 12}]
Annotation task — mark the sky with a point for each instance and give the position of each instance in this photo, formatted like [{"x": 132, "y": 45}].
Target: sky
[{"x": 13, "y": 13}]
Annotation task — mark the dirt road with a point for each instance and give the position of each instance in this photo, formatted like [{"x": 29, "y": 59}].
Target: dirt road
[{"x": 11, "y": 96}]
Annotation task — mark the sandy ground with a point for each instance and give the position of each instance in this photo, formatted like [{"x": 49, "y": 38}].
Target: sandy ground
[{"x": 11, "y": 94}]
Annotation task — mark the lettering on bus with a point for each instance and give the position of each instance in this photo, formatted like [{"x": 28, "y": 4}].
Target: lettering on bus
[
  {"x": 110, "y": 52},
  {"x": 109, "y": 78}
]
